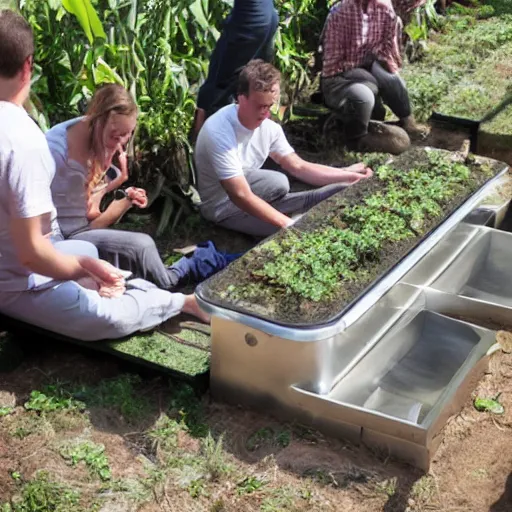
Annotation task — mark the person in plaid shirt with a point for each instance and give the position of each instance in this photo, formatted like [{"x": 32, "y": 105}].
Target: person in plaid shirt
[{"x": 361, "y": 60}]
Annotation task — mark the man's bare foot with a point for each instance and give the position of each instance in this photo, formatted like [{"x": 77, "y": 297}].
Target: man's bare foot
[{"x": 192, "y": 308}]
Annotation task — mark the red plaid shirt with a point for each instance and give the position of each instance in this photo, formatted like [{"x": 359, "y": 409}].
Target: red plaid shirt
[{"x": 343, "y": 45}]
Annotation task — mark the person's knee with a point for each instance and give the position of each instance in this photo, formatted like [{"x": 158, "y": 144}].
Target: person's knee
[
  {"x": 361, "y": 94},
  {"x": 386, "y": 79},
  {"x": 143, "y": 242},
  {"x": 280, "y": 185}
]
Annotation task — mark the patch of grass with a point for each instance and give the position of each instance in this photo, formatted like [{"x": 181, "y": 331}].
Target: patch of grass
[
  {"x": 266, "y": 436},
  {"x": 197, "y": 488},
  {"x": 120, "y": 392},
  {"x": 215, "y": 463},
  {"x": 92, "y": 454},
  {"x": 164, "y": 434},
  {"x": 24, "y": 425},
  {"x": 388, "y": 486},
  {"x": 44, "y": 495},
  {"x": 339, "y": 479},
  {"x": 249, "y": 485},
  {"x": 424, "y": 489},
  {"x": 465, "y": 71},
  {"x": 162, "y": 350},
  {"x": 188, "y": 409},
  {"x": 306, "y": 433},
  {"x": 5, "y": 411},
  {"x": 281, "y": 500}
]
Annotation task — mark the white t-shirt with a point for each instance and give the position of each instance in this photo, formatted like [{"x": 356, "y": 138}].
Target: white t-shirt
[
  {"x": 26, "y": 172},
  {"x": 226, "y": 149}
]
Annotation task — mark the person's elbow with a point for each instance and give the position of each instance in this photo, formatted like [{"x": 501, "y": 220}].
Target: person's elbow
[
  {"x": 292, "y": 164},
  {"x": 239, "y": 196}
]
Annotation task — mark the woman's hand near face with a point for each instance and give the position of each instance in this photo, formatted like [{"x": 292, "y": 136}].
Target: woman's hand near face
[
  {"x": 123, "y": 161},
  {"x": 138, "y": 196}
]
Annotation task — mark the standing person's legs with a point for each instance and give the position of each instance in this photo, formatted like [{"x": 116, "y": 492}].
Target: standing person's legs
[
  {"x": 248, "y": 33},
  {"x": 132, "y": 251},
  {"x": 394, "y": 93},
  {"x": 274, "y": 188}
]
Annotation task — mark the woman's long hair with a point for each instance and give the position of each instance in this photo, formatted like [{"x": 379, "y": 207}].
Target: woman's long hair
[{"x": 109, "y": 98}]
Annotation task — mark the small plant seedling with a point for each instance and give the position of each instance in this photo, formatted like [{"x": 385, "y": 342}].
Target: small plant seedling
[
  {"x": 52, "y": 398},
  {"x": 196, "y": 488},
  {"x": 92, "y": 454},
  {"x": 5, "y": 411},
  {"x": 214, "y": 463},
  {"x": 249, "y": 485},
  {"x": 16, "y": 476},
  {"x": 489, "y": 405},
  {"x": 388, "y": 486}
]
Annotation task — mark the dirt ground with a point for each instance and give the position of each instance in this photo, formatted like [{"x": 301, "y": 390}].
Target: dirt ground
[{"x": 471, "y": 471}]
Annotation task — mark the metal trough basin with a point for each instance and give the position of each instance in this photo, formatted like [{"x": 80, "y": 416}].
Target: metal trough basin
[
  {"x": 392, "y": 369},
  {"x": 483, "y": 270}
]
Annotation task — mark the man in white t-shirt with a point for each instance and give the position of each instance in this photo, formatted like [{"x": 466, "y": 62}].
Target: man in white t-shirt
[
  {"x": 231, "y": 148},
  {"x": 58, "y": 285}
]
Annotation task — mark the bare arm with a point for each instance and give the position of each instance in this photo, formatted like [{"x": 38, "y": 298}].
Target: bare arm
[
  {"x": 320, "y": 175},
  {"x": 240, "y": 193},
  {"x": 36, "y": 252},
  {"x": 116, "y": 209},
  {"x": 123, "y": 175}
]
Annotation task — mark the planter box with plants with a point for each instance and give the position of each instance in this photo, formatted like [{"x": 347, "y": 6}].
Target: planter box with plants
[
  {"x": 466, "y": 70},
  {"x": 309, "y": 274}
]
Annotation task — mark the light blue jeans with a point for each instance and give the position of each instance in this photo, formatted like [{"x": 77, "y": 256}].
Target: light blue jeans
[{"x": 66, "y": 308}]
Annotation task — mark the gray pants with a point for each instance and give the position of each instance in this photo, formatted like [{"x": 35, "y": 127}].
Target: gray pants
[
  {"x": 132, "y": 251},
  {"x": 274, "y": 187},
  {"x": 358, "y": 95},
  {"x": 65, "y": 307}
]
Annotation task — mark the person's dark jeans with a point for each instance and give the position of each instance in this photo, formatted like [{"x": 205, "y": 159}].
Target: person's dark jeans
[
  {"x": 138, "y": 253},
  {"x": 248, "y": 34},
  {"x": 358, "y": 96}
]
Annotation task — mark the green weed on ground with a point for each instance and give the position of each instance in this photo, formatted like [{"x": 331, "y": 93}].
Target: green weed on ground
[
  {"x": 92, "y": 454},
  {"x": 460, "y": 74},
  {"x": 44, "y": 495}
]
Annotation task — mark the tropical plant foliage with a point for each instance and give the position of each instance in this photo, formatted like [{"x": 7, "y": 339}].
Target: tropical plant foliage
[{"x": 160, "y": 50}]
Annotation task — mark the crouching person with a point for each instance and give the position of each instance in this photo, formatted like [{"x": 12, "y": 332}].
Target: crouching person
[
  {"x": 231, "y": 149},
  {"x": 59, "y": 286},
  {"x": 361, "y": 59}
]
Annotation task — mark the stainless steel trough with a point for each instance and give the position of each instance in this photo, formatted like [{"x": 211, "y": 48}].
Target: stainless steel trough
[{"x": 391, "y": 370}]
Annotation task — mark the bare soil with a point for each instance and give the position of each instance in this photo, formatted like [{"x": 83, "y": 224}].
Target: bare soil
[{"x": 472, "y": 470}]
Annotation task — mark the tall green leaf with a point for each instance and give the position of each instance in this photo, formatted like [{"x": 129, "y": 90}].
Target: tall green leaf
[{"x": 87, "y": 17}]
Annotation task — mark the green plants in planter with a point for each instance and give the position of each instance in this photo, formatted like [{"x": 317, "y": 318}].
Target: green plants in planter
[
  {"x": 466, "y": 70},
  {"x": 309, "y": 273}
]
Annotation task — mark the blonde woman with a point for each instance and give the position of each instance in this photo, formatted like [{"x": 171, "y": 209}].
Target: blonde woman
[{"x": 83, "y": 149}]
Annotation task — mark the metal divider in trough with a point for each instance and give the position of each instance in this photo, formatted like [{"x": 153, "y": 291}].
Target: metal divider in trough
[{"x": 392, "y": 369}]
